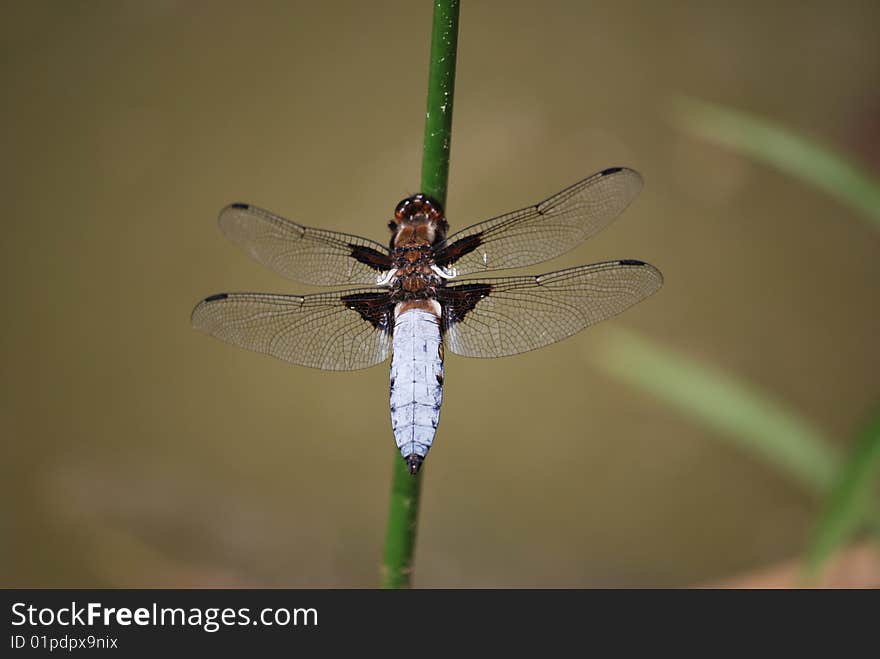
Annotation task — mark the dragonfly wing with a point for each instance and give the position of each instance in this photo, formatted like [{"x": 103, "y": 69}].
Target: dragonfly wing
[
  {"x": 543, "y": 231},
  {"x": 340, "y": 331},
  {"x": 509, "y": 315},
  {"x": 304, "y": 254}
]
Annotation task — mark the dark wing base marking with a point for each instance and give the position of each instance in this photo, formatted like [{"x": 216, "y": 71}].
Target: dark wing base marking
[
  {"x": 459, "y": 300},
  {"x": 370, "y": 257},
  {"x": 373, "y": 308},
  {"x": 449, "y": 254},
  {"x": 509, "y": 315}
]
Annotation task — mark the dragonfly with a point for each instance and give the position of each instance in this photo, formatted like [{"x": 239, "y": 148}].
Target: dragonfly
[{"x": 426, "y": 291}]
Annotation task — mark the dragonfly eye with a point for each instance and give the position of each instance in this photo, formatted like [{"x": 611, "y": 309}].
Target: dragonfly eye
[{"x": 419, "y": 204}]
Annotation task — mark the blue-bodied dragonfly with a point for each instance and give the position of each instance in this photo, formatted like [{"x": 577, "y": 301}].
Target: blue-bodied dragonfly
[{"x": 414, "y": 297}]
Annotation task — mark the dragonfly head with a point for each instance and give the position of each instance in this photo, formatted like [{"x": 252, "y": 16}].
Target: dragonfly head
[
  {"x": 420, "y": 218},
  {"x": 419, "y": 205}
]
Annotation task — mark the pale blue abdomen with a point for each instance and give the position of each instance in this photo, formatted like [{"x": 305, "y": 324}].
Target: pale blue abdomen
[{"x": 416, "y": 383}]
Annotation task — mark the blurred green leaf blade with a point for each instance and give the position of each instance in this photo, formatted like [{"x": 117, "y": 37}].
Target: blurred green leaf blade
[
  {"x": 768, "y": 142},
  {"x": 749, "y": 419},
  {"x": 849, "y": 500}
]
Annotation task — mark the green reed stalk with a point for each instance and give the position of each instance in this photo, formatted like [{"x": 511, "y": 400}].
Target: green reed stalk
[{"x": 403, "y": 515}]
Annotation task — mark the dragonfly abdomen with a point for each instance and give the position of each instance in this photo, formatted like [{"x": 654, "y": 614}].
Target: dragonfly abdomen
[{"x": 416, "y": 382}]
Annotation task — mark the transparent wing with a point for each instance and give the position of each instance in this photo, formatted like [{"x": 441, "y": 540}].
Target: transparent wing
[
  {"x": 304, "y": 254},
  {"x": 509, "y": 315},
  {"x": 341, "y": 331},
  {"x": 543, "y": 231}
]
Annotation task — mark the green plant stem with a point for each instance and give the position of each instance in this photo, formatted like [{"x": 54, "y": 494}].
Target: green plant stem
[
  {"x": 403, "y": 520},
  {"x": 403, "y": 515},
  {"x": 441, "y": 89}
]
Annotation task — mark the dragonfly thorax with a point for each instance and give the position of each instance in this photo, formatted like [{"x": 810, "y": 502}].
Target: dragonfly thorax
[{"x": 415, "y": 274}]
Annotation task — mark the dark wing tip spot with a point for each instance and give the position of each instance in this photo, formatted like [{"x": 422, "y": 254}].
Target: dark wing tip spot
[
  {"x": 240, "y": 205},
  {"x": 214, "y": 298},
  {"x": 611, "y": 170},
  {"x": 631, "y": 262}
]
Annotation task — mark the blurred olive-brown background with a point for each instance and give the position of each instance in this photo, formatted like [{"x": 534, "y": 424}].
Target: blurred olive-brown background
[{"x": 138, "y": 452}]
